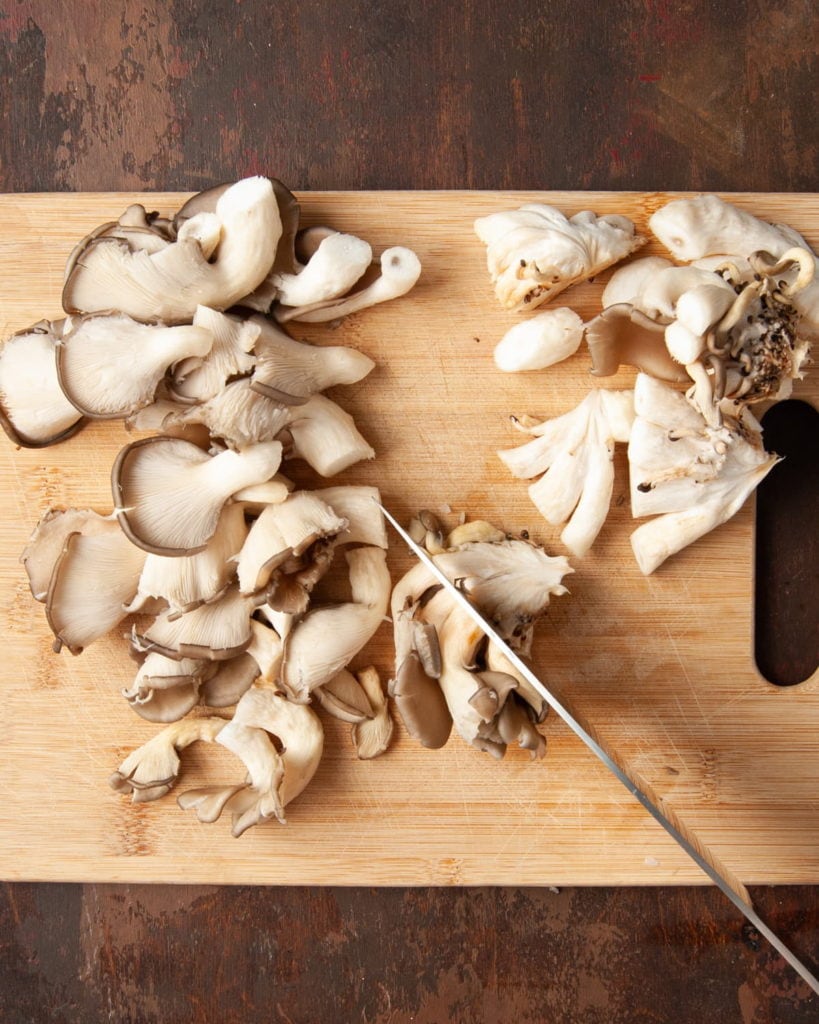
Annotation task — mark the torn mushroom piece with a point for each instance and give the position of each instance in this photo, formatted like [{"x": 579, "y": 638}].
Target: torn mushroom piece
[
  {"x": 48, "y": 540},
  {"x": 691, "y": 475},
  {"x": 169, "y": 494},
  {"x": 34, "y": 411},
  {"x": 623, "y": 334},
  {"x": 237, "y": 415},
  {"x": 290, "y": 371},
  {"x": 400, "y": 269},
  {"x": 109, "y": 366},
  {"x": 332, "y": 270},
  {"x": 437, "y": 644},
  {"x": 535, "y": 253},
  {"x": 150, "y": 772},
  {"x": 231, "y": 355},
  {"x": 572, "y": 454},
  {"x": 216, "y": 260},
  {"x": 280, "y": 744},
  {"x": 326, "y": 639},
  {"x": 326, "y": 437},
  {"x": 372, "y": 735}
]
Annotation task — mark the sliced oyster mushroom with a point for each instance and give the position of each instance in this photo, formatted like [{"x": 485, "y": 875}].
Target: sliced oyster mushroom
[
  {"x": 189, "y": 580},
  {"x": 291, "y": 371},
  {"x": 328, "y": 638},
  {"x": 47, "y": 542},
  {"x": 326, "y": 437},
  {"x": 238, "y": 415},
  {"x": 34, "y": 411},
  {"x": 230, "y": 356},
  {"x": 169, "y": 494},
  {"x": 217, "y": 631},
  {"x": 109, "y": 366},
  {"x": 93, "y": 580},
  {"x": 165, "y": 690},
  {"x": 400, "y": 269},
  {"x": 217, "y": 259}
]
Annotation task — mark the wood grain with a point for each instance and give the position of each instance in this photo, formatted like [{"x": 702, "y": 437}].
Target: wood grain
[{"x": 662, "y": 666}]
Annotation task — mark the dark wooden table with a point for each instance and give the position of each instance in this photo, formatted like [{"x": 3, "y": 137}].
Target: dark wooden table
[{"x": 639, "y": 94}]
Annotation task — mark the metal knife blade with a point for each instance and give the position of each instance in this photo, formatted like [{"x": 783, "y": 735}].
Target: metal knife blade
[{"x": 704, "y": 858}]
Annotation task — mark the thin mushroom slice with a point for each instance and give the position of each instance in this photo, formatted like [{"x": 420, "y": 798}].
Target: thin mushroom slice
[
  {"x": 328, "y": 638},
  {"x": 400, "y": 270},
  {"x": 46, "y": 544},
  {"x": 189, "y": 580},
  {"x": 291, "y": 371},
  {"x": 215, "y": 632},
  {"x": 94, "y": 578},
  {"x": 151, "y": 770},
  {"x": 372, "y": 736},
  {"x": 216, "y": 259},
  {"x": 169, "y": 494},
  {"x": 231, "y": 355},
  {"x": 34, "y": 411},
  {"x": 345, "y": 698},
  {"x": 165, "y": 690},
  {"x": 110, "y": 366}
]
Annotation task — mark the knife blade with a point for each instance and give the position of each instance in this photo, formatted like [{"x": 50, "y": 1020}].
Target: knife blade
[{"x": 664, "y": 815}]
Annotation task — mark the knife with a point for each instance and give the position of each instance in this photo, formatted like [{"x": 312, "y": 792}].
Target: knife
[{"x": 664, "y": 815}]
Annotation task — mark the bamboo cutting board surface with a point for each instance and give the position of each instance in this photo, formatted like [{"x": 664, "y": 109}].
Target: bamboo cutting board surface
[{"x": 662, "y": 667}]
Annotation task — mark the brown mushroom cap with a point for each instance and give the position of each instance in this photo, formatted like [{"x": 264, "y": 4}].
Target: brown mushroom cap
[{"x": 622, "y": 334}]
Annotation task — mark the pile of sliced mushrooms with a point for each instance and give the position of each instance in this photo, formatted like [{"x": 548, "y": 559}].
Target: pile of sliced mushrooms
[
  {"x": 727, "y": 327},
  {"x": 210, "y": 555}
]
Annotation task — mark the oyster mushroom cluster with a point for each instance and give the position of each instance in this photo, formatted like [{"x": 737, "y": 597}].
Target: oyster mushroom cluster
[
  {"x": 728, "y": 330},
  {"x": 209, "y": 554},
  {"x": 447, "y": 672}
]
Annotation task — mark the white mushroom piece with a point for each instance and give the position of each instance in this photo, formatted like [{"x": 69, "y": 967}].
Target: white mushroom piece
[
  {"x": 230, "y": 356},
  {"x": 445, "y": 671},
  {"x": 291, "y": 371},
  {"x": 165, "y": 689},
  {"x": 169, "y": 494},
  {"x": 216, "y": 259},
  {"x": 34, "y": 411},
  {"x": 690, "y": 475},
  {"x": 400, "y": 270},
  {"x": 536, "y": 252},
  {"x": 280, "y": 744},
  {"x": 92, "y": 571},
  {"x": 572, "y": 456},
  {"x": 338, "y": 262},
  {"x": 709, "y": 226},
  {"x": 110, "y": 366},
  {"x": 547, "y": 338}
]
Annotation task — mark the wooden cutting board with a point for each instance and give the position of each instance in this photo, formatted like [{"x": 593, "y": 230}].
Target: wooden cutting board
[{"x": 662, "y": 667}]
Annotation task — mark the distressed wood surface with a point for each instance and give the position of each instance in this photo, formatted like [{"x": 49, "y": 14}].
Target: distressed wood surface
[{"x": 646, "y": 94}]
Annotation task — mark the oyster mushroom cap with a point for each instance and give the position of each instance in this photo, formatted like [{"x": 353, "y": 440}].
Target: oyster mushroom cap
[
  {"x": 543, "y": 340},
  {"x": 34, "y": 411},
  {"x": 291, "y": 371},
  {"x": 186, "y": 581},
  {"x": 169, "y": 494},
  {"x": 238, "y": 415},
  {"x": 372, "y": 735},
  {"x": 109, "y": 365},
  {"x": 230, "y": 679},
  {"x": 624, "y": 334},
  {"x": 47, "y": 541},
  {"x": 241, "y": 236},
  {"x": 421, "y": 703},
  {"x": 164, "y": 690},
  {"x": 94, "y": 578},
  {"x": 345, "y": 698},
  {"x": 217, "y": 631},
  {"x": 536, "y": 252}
]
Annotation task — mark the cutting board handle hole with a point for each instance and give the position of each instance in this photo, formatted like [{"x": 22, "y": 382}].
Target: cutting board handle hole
[{"x": 786, "y": 578}]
